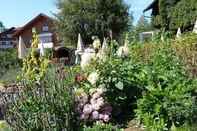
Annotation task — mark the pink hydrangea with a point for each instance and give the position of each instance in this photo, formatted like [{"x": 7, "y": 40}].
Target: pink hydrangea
[
  {"x": 87, "y": 109},
  {"x": 95, "y": 115}
]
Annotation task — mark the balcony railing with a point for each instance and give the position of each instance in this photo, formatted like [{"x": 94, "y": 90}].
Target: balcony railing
[{"x": 6, "y": 46}]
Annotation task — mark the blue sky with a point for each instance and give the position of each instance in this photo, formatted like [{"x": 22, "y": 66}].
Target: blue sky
[{"x": 18, "y": 12}]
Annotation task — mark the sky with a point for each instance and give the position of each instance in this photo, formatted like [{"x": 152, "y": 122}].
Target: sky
[{"x": 16, "y": 13}]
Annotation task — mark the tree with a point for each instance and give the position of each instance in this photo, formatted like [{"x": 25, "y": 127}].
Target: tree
[
  {"x": 2, "y": 27},
  {"x": 142, "y": 25},
  {"x": 92, "y": 17},
  {"x": 162, "y": 20},
  {"x": 184, "y": 15}
]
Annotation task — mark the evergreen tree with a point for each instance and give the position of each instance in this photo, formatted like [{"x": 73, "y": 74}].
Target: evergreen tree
[{"x": 92, "y": 17}]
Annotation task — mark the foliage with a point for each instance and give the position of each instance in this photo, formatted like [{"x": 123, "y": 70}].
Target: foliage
[
  {"x": 9, "y": 60},
  {"x": 184, "y": 48},
  {"x": 48, "y": 53},
  {"x": 4, "y": 126},
  {"x": 34, "y": 66},
  {"x": 101, "y": 127},
  {"x": 45, "y": 106},
  {"x": 174, "y": 14},
  {"x": 162, "y": 19},
  {"x": 168, "y": 98},
  {"x": 92, "y": 17},
  {"x": 124, "y": 82},
  {"x": 179, "y": 15},
  {"x": 143, "y": 25}
]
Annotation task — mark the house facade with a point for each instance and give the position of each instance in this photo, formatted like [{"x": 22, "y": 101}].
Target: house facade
[
  {"x": 7, "y": 40},
  {"x": 44, "y": 26}
]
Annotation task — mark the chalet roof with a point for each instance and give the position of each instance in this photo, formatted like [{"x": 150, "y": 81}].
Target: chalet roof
[
  {"x": 151, "y": 6},
  {"x": 9, "y": 31},
  {"x": 31, "y": 23}
]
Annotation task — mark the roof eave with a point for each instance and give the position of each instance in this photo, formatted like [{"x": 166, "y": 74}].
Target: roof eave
[{"x": 150, "y": 6}]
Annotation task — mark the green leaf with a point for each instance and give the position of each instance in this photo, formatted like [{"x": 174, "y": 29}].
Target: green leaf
[{"x": 120, "y": 85}]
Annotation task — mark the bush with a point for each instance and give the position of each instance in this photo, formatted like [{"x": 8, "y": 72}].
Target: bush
[
  {"x": 169, "y": 97},
  {"x": 8, "y": 58},
  {"x": 43, "y": 106}
]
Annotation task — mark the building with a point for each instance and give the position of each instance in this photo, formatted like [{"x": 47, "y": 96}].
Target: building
[
  {"x": 44, "y": 26},
  {"x": 154, "y": 6},
  {"x": 6, "y": 38}
]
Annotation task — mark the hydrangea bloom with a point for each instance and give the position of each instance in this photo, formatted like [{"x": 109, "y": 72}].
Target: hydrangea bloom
[
  {"x": 97, "y": 43},
  {"x": 95, "y": 115},
  {"x": 87, "y": 109},
  {"x": 93, "y": 77},
  {"x": 86, "y": 59},
  {"x": 93, "y": 107}
]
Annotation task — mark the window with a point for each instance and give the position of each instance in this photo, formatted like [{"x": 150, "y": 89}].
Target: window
[
  {"x": 3, "y": 42},
  {"x": 46, "y": 39},
  {"x": 45, "y": 28}
]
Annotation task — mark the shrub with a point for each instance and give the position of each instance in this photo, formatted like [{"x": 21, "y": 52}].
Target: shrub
[
  {"x": 43, "y": 106},
  {"x": 168, "y": 99},
  {"x": 124, "y": 82},
  {"x": 8, "y": 58}
]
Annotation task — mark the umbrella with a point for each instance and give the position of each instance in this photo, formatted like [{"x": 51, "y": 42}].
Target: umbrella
[
  {"x": 80, "y": 46},
  {"x": 195, "y": 27},
  {"x": 178, "y": 34},
  {"x": 21, "y": 48},
  {"x": 41, "y": 49}
]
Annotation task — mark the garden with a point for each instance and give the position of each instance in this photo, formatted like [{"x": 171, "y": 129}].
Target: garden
[{"x": 123, "y": 85}]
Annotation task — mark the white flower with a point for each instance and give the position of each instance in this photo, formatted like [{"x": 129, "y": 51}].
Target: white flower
[
  {"x": 86, "y": 59},
  {"x": 95, "y": 107},
  {"x": 100, "y": 91},
  {"x": 100, "y": 101},
  {"x": 93, "y": 77},
  {"x": 101, "y": 55},
  {"x": 87, "y": 109},
  {"x": 96, "y": 43},
  {"x": 92, "y": 91},
  {"x": 120, "y": 51},
  {"x": 123, "y": 51}
]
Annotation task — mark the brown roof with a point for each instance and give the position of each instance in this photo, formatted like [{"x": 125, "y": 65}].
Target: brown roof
[
  {"x": 31, "y": 23},
  {"x": 8, "y": 31}
]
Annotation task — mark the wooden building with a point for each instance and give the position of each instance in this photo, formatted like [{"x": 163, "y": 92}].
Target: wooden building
[
  {"x": 6, "y": 38},
  {"x": 44, "y": 26}
]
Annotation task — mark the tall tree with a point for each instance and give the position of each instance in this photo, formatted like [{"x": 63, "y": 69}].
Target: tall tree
[
  {"x": 162, "y": 19},
  {"x": 92, "y": 17},
  {"x": 184, "y": 15}
]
